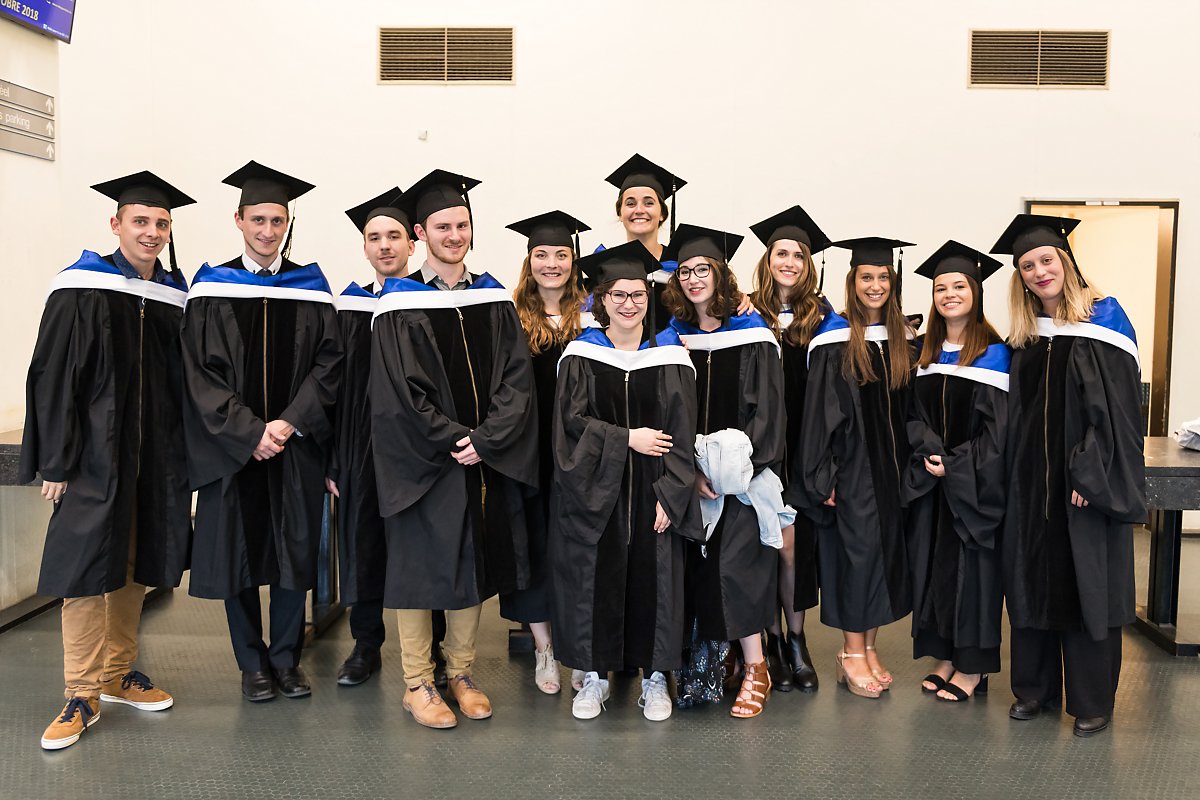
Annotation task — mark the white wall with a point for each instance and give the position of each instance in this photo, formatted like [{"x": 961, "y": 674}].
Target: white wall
[{"x": 857, "y": 110}]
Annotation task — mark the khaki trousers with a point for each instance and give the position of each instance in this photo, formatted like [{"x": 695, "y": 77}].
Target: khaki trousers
[
  {"x": 100, "y": 634},
  {"x": 416, "y": 643}
]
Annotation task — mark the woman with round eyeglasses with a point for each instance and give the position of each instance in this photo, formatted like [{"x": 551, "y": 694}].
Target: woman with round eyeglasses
[
  {"x": 787, "y": 292},
  {"x": 1076, "y": 479},
  {"x": 739, "y": 383},
  {"x": 624, "y": 494},
  {"x": 548, "y": 298}
]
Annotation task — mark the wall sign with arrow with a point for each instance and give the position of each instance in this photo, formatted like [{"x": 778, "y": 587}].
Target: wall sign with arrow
[{"x": 26, "y": 121}]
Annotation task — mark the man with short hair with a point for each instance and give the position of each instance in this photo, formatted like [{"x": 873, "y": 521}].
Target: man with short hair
[
  {"x": 362, "y": 549},
  {"x": 103, "y": 429},
  {"x": 454, "y": 430},
  {"x": 262, "y": 358}
]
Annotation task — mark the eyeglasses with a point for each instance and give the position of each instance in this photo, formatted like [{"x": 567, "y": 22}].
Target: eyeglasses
[
  {"x": 638, "y": 297},
  {"x": 701, "y": 271}
]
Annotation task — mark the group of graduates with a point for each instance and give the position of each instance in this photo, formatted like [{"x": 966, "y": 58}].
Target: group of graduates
[{"x": 645, "y": 463}]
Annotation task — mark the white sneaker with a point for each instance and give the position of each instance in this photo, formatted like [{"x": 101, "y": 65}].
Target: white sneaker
[
  {"x": 655, "y": 700},
  {"x": 590, "y": 701}
]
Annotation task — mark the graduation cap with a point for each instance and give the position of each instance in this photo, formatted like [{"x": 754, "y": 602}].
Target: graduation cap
[
  {"x": 146, "y": 189},
  {"x": 436, "y": 192},
  {"x": 1029, "y": 231},
  {"x": 876, "y": 251},
  {"x": 641, "y": 171},
  {"x": 957, "y": 257},
  {"x": 384, "y": 205},
  {"x": 794, "y": 223},
  {"x": 690, "y": 241},
  {"x": 552, "y": 229},
  {"x": 260, "y": 184},
  {"x": 630, "y": 261}
]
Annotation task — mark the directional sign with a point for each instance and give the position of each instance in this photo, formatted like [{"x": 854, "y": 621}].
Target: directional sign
[
  {"x": 26, "y": 145},
  {"x": 26, "y": 121},
  {"x": 26, "y": 98}
]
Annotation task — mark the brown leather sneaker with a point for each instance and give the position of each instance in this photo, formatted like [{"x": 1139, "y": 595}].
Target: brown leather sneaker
[
  {"x": 79, "y": 714},
  {"x": 135, "y": 689},
  {"x": 427, "y": 707},
  {"x": 471, "y": 701}
]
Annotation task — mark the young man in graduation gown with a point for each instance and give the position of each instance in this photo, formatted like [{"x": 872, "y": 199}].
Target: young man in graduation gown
[
  {"x": 262, "y": 359},
  {"x": 103, "y": 428},
  {"x": 454, "y": 432},
  {"x": 362, "y": 550}
]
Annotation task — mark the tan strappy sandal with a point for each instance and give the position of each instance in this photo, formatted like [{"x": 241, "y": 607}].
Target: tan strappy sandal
[
  {"x": 857, "y": 686},
  {"x": 756, "y": 683},
  {"x": 883, "y": 677}
]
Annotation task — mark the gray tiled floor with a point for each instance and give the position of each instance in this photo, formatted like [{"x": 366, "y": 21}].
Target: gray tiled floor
[{"x": 357, "y": 742}]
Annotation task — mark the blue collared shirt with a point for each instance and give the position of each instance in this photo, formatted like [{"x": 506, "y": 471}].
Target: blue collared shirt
[{"x": 129, "y": 271}]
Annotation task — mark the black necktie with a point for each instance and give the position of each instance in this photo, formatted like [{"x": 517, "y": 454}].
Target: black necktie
[{"x": 263, "y": 273}]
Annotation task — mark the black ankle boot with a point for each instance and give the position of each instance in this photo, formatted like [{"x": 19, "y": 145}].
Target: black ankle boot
[
  {"x": 803, "y": 675},
  {"x": 777, "y": 667}
]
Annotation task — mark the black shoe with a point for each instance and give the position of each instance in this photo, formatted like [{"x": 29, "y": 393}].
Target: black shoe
[
  {"x": 804, "y": 676},
  {"x": 258, "y": 686},
  {"x": 1090, "y": 726},
  {"x": 1028, "y": 709},
  {"x": 358, "y": 666},
  {"x": 777, "y": 665},
  {"x": 292, "y": 682}
]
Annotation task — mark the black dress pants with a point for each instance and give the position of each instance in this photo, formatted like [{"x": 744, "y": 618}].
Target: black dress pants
[
  {"x": 1042, "y": 661},
  {"x": 244, "y": 611},
  {"x": 366, "y": 624}
]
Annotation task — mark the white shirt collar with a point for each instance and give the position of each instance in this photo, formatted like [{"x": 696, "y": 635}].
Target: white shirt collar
[{"x": 254, "y": 266}]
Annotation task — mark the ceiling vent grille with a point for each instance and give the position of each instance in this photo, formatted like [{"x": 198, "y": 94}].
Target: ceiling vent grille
[
  {"x": 445, "y": 55},
  {"x": 1045, "y": 59}
]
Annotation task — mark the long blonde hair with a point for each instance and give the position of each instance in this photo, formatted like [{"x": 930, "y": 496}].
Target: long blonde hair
[
  {"x": 531, "y": 310},
  {"x": 804, "y": 301},
  {"x": 1024, "y": 306},
  {"x": 857, "y": 364}
]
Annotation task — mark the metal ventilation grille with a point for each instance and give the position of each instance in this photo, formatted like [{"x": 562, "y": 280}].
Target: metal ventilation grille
[
  {"x": 1058, "y": 59},
  {"x": 445, "y": 55}
]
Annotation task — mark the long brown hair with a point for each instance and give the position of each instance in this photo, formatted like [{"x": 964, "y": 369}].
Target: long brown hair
[
  {"x": 722, "y": 304},
  {"x": 1024, "y": 305},
  {"x": 804, "y": 300},
  {"x": 531, "y": 310},
  {"x": 857, "y": 363},
  {"x": 978, "y": 334}
]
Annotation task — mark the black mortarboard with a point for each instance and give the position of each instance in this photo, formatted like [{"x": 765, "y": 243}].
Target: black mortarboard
[
  {"x": 631, "y": 261},
  {"x": 957, "y": 257},
  {"x": 690, "y": 241},
  {"x": 143, "y": 188},
  {"x": 641, "y": 171},
  {"x": 552, "y": 229},
  {"x": 794, "y": 223},
  {"x": 1030, "y": 231},
  {"x": 385, "y": 205},
  {"x": 873, "y": 250},
  {"x": 261, "y": 184},
  {"x": 436, "y": 192}
]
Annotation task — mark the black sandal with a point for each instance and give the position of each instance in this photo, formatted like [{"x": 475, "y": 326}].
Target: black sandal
[
  {"x": 960, "y": 694},
  {"x": 936, "y": 680}
]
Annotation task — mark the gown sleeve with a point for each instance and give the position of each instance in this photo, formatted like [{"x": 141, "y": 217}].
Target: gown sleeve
[
  {"x": 828, "y": 409},
  {"x": 762, "y": 405},
  {"x": 221, "y": 430},
  {"x": 52, "y": 440},
  {"x": 924, "y": 442},
  {"x": 1108, "y": 466},
  {"x": 675, "y": 489},
  {"x": 411, "y": 438},
  {"x": 507, "y": 439},
  {"x": 343, "y": 430},
  {"x": 311, "y": 409},
  {"x": 975, "y": 470},
  {"x": 589, "y": 457}
]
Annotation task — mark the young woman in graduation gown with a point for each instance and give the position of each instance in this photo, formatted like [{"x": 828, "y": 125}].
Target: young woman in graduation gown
[
  {"x": 549, "y": 298},
  {"x": 624, "y": 494},
  {"x": 1076, "y": 479},
  {"x": 732, "y": 583},
  {"x": 954, "y": 481},
  {"x": 852, "y": 451},
  {"x": 787, "y": 293}
]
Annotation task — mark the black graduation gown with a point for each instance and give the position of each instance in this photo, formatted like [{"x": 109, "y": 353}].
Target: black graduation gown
[
  {"x": 103, "y": 402},
  {"x": 617, "y": 586},
  {"x": 1074, "y": 424},
  {"x": 795, "y": 387},
  {"x": 258, "y": 522},
  {"x": 734, "y": 588},
  {"x": 455, "y": 535},
  {"x": 954, "y": 522},
  {"x": 853, "y": 439},
  {"x": 362, "y": 548}
]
